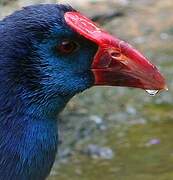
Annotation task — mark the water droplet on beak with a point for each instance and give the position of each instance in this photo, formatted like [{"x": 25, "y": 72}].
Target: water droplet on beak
[{"x": 152, "y": 92}]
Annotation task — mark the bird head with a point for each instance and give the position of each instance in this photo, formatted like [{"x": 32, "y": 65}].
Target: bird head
[
  {"x": 52, "y": 51},
  {"x": 116, "y": 63}
]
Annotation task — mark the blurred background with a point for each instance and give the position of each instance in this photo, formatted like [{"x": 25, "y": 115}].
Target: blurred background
[{"x": 119, "y": 133}]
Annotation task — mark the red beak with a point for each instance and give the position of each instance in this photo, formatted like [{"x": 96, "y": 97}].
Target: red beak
[{"x": 116, "y": 63}]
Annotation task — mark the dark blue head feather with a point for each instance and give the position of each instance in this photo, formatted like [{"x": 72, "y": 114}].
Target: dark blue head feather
[
  {"x": 36, "y": 81},
  {"x": 30, "y": 62}
]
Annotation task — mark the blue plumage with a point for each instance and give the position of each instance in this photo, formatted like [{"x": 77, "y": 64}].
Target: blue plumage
[{"x": 36, "y": 82}]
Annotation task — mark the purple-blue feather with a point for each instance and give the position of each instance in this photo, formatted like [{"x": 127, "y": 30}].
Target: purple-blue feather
[{"x": 35, "y": 85}]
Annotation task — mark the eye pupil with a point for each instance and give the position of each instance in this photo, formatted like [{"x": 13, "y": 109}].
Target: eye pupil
[{"x": 67, "y": 47}]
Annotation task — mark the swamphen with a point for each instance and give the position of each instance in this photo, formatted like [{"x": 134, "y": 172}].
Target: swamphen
[{"x": 49, "y": 53}]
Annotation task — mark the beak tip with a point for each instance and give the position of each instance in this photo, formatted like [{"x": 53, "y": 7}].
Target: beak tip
[{"x": 165, "y": 88}]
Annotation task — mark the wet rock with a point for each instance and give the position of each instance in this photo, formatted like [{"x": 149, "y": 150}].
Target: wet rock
[
  {"x": 96, "y": 151},
  {"x": 164, "y": 36},
  {"x": 99, "y": 122},
  {"x": 103, "y": 127},
  {"x": 96, "y": 119},
  {"x": 131, "y": 110},
  {"x": 66, "y": 152}
]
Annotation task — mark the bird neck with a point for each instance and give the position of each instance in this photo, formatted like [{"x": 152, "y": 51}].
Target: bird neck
[
  {"x": 47, "y": 109},
  {"x": 28, "y": 147},
  {"x": 29, "y": 137},
  {"x": 36, "y": 104}
]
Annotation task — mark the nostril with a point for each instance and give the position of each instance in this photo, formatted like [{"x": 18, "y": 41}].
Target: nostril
[
  {"x": 103, "y": 60},
  {"x": 115, "y": 54}
]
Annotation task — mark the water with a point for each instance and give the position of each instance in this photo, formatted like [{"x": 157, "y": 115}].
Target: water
[
  {"x": 152, "y": 92},
  {"x": 136, "y": 156}
]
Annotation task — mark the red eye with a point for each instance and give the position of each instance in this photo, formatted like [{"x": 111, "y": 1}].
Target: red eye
[{"x": 67, "y": 47}]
